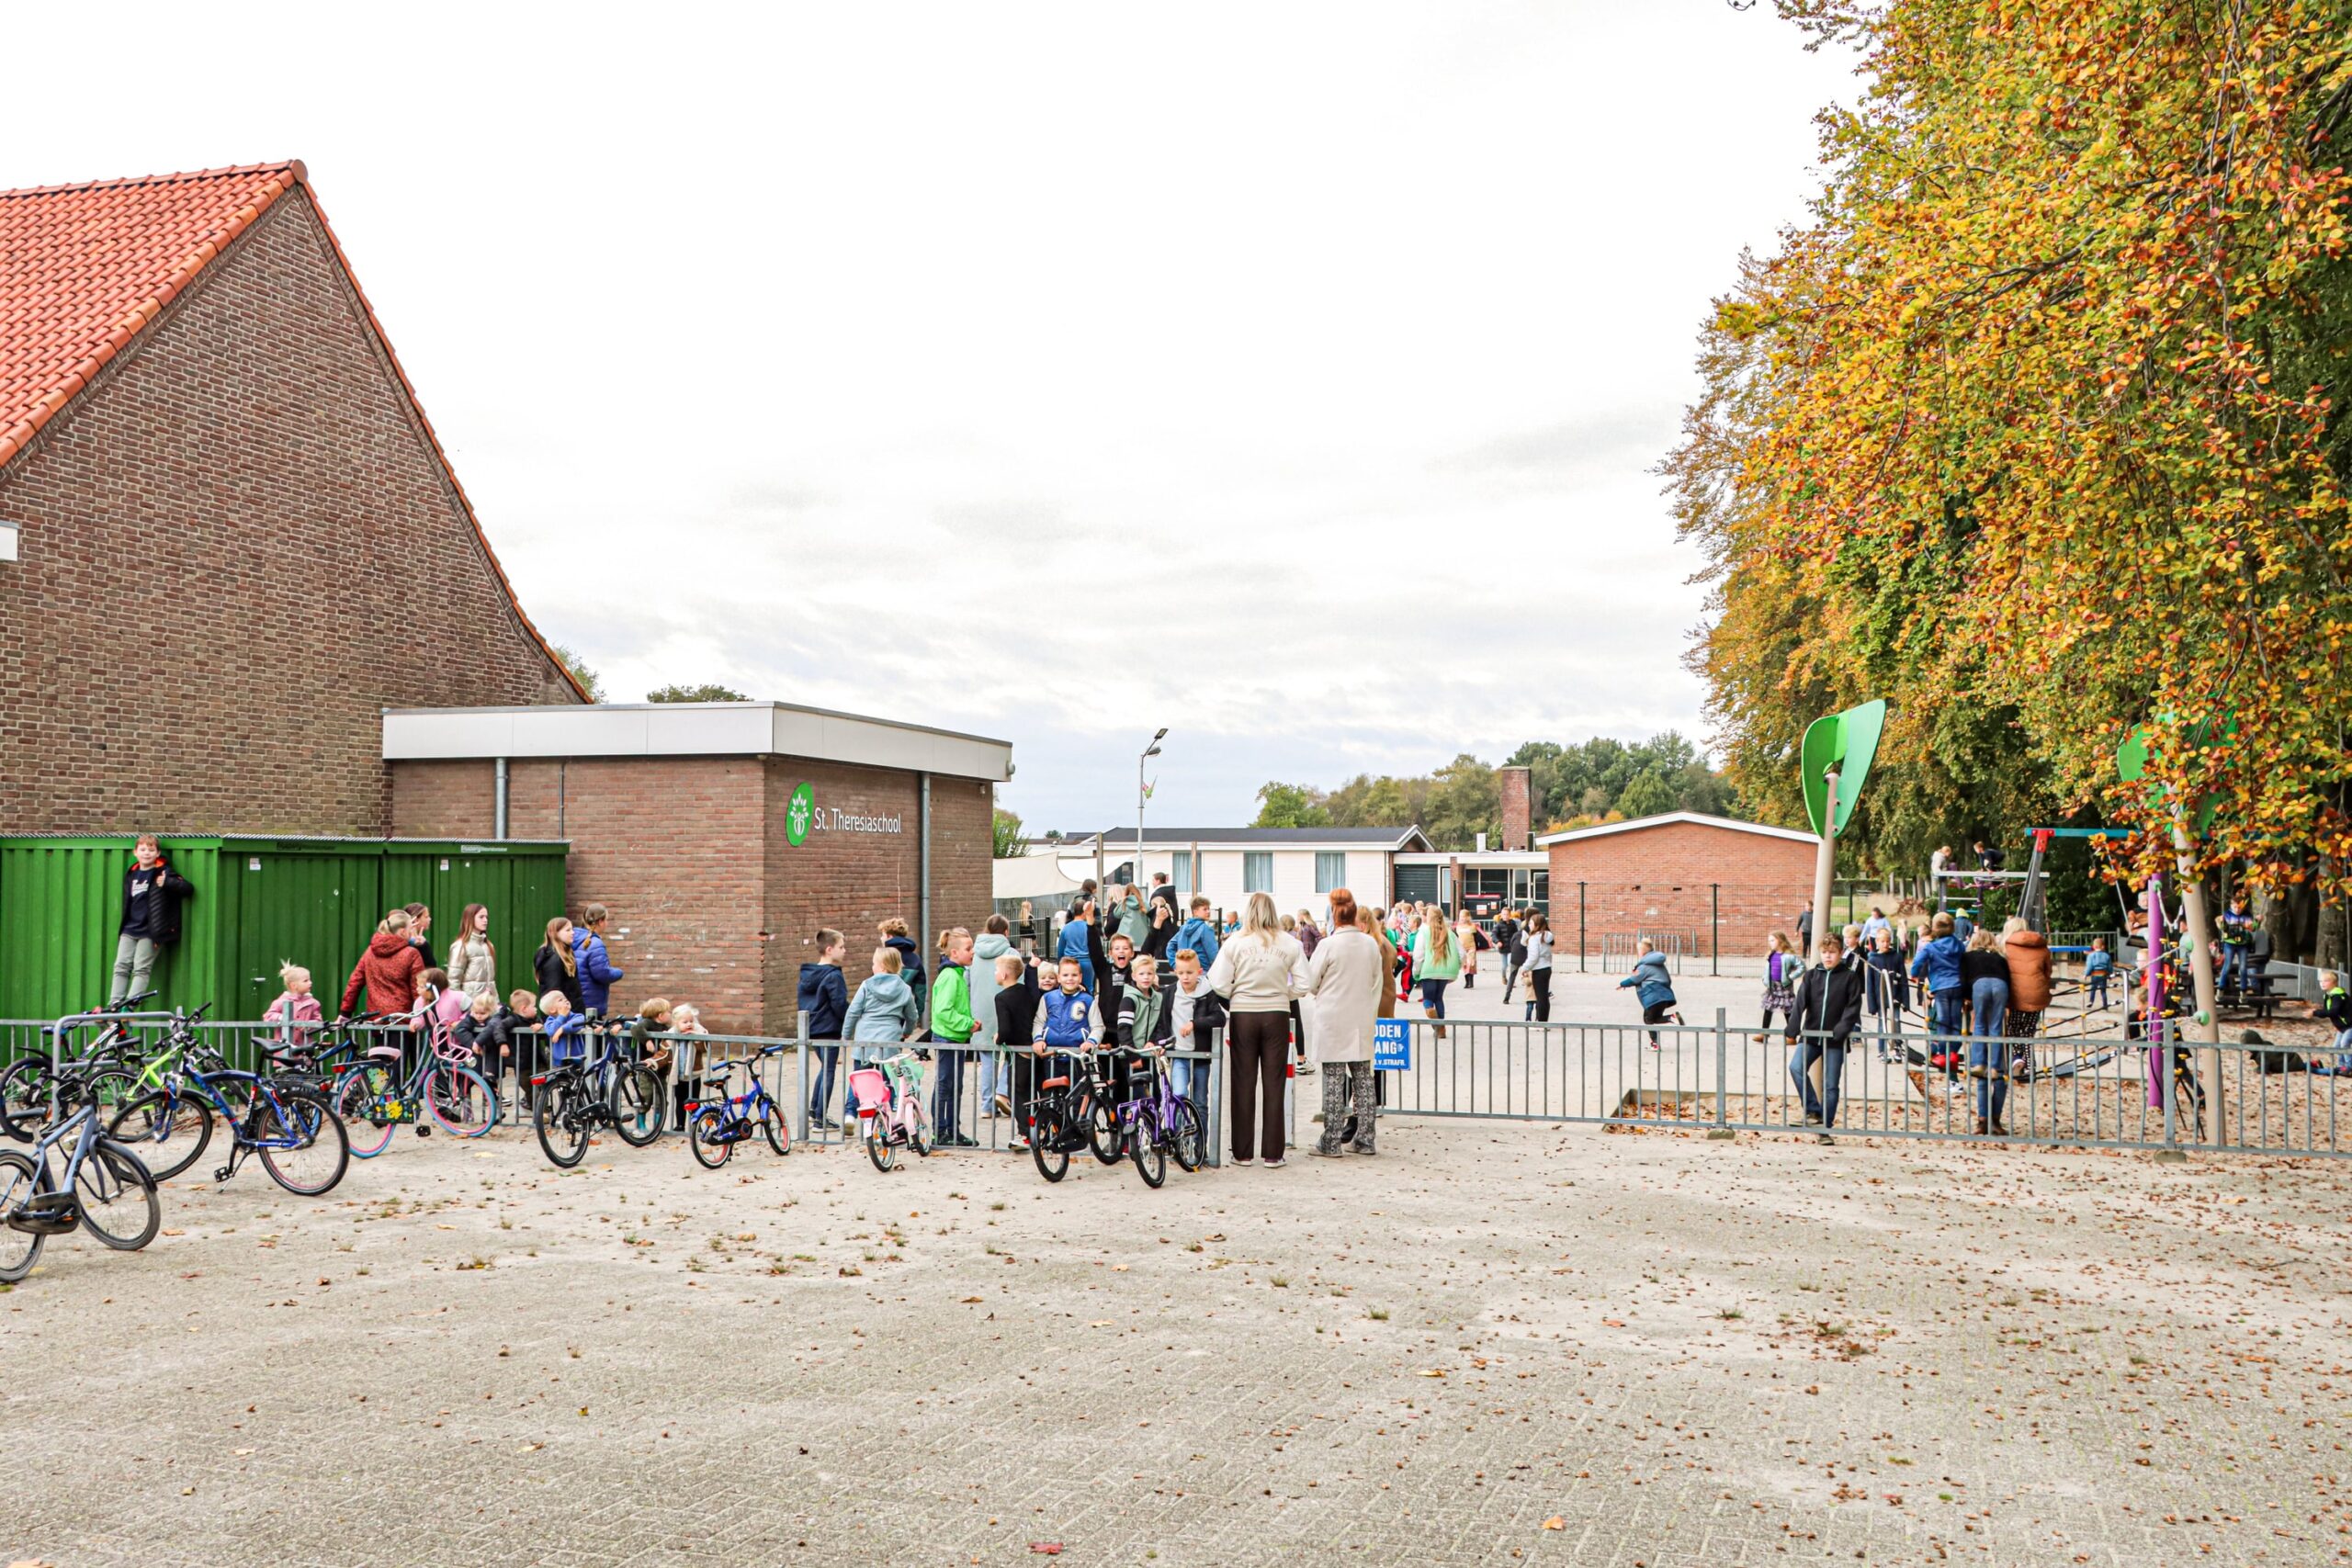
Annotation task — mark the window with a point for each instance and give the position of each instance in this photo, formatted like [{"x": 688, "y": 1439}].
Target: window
[
  {"x": 1258, "y": 871},
  {"x": 1330, "y": 870},
  {"x": 1180, "y": 871}
]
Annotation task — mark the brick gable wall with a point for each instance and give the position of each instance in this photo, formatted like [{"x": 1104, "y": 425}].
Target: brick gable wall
[
  {"x": 237, "y": 548},
  {"x": 1683, "y": 877}
]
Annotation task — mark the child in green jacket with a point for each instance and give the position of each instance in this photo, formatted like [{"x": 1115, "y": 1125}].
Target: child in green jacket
[{"x": 951, "y": 1026}]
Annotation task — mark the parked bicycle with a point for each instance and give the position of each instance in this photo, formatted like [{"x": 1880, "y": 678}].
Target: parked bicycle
[
  {"x": 581, "y": 1094},
  {"x": 113, "y": 1058},
  {"x": 1160, "y": 1123},
  {"x": 291, "y": 1127},
  {"x": 889, "y": 1108},
  {"x": 103, "y": 1187},
  {"x": 715, "y": 1125},
  {"x": 376, "y": 1097},
  {"x": 1073, "y": 1110}
]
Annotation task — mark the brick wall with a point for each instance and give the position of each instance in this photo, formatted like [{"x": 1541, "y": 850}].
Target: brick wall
[
  {"x": 1674, "y": 876},
  {"x": 238, "y": 547},
  {"x": 710, "y": 903},
  {"x": 1517, "y": 808}
]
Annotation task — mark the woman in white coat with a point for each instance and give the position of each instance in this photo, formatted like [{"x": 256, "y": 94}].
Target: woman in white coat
[{"x": 1346, "y": 977}]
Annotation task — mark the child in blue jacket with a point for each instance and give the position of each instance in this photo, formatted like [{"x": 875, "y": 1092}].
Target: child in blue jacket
[{"x": 1655, "y": 988}]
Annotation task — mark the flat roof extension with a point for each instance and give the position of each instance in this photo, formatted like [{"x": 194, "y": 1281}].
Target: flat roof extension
[{"x": 690, "y": 729}]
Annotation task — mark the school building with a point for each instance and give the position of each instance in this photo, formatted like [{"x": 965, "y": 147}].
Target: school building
[{"x": 244, "y": 594}]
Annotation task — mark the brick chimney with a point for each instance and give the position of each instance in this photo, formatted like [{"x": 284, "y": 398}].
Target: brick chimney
[{"x": 1516, "y": 826}]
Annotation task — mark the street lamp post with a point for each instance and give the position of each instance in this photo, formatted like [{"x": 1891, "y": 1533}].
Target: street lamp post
[{"x": 1142, "y": 794}]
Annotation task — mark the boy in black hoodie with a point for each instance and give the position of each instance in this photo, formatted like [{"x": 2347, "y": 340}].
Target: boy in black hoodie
[
  {"x": 824, "y": 996},
  {"x": 1016, "y": 1024}
]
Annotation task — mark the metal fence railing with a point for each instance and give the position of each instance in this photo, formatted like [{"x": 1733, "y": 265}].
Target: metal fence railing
[
  {"x": 960, "y": 1084},
  {"x": 2055, "y": 1089},
  {"x": 2062, "y": 1091}
]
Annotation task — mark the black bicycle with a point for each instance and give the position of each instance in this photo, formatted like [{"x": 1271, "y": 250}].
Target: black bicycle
[
  {"x": 581, "y": 1094},
  {"x": 108, "y": 1064},
  {"x": 1073, "y": 1110}
]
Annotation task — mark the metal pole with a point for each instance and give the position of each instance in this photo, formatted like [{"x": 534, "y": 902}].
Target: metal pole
[
  {"x": 1722, "y": 1060},
  {"x": 1139, "y": 804},
  {"x": 1580, "y": 928},
  {"x": 1825, "y": 868},
  {"x": 498, "y": 813},
  {"x": 2199, "y": 932},
  {"x": 1714, "y": 927},
  {"x": 923, "y": 860}
]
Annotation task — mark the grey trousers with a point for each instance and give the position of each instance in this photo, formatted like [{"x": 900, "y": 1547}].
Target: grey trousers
[
  {"x": 1347, "y": 1092},
  {"x": 134, "y": 963}
]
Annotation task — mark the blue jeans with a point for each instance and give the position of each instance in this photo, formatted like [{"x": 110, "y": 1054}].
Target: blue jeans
[
  {"x": 1945, "y": 1016},
  {"x": 1433, "y": 997},
  {"x": 1831, "y": 1055},
  {"x": 947, "y": 1089},
  {"x": 2095, "y": 991},
  {"x": 2234, "y": 961},
  {"x": 1988, "y": 1053},
  {"x": 820, "y": 1086}
]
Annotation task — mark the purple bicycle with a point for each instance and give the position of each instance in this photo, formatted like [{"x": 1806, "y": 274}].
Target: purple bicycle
[{"x": 1160, "y": 1123}]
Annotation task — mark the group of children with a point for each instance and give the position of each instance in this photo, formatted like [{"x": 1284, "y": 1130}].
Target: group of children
[{"x": 989, "y": 1003}]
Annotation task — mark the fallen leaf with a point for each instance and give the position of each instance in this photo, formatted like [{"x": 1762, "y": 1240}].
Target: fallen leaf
[
  {"x": 1047, "y": 1548},
  {"x": 1555, "y": 1523},
  {"x": 968, "y": 1300},
  {"x": 535, "y": 1448}
]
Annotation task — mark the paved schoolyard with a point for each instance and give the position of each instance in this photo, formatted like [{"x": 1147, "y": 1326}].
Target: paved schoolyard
[{"x": 1495, "y": 1344}]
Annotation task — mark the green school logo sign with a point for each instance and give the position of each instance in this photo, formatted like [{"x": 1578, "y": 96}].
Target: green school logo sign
[{"x": 799, "y": 816}]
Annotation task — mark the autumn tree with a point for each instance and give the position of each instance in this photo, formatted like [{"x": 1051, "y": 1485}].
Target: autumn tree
[{"x": 2035, "y": 428}]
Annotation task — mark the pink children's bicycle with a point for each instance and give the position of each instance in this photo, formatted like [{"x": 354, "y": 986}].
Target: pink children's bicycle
[{"x": 889, "y": 1108}]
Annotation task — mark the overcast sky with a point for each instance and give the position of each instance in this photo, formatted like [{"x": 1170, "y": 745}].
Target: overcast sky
[{"x": 1284, "y": 374}]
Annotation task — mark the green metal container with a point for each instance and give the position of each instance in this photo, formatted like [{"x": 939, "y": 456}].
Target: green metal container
[{"x": 259, "y": 902}]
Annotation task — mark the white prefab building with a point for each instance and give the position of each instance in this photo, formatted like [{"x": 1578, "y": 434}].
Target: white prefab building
[{"x": 1298, "y": 866}]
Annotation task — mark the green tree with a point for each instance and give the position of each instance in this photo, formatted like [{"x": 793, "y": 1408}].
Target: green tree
[
  {"x": 1005, "y": 839},
  {"x": 1290, "y": 806},
  {"x": 1651, "y": 793},
  {"x": 580, "y": 671},
  {"x": 703, "y": 693}
]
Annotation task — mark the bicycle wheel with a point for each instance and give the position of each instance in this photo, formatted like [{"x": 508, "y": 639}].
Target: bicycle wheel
[
  {"x": 779, "y": 1136},
  {"x": 919, "y": 1133},
  {"x": 321, "y": 1150},
  {"x": 24, "y": 1098},
  {"x": 117, "y": 1198},
  {"x": 878, "y": 1146},
  {"x": 640, "y": 1104},
  {"x": 1104, "y": 1133},
  {"x": 360, "y": 1104},
  {"x": 1147, "y": 1147},
  {"x": 556, "y": 1117},
  {"x": 168, "y": 1132},
  {"x": 460, "y": 1100},
  {"x": 704, "y": 1137},
  {"x": 18, "y": 1251},
  {"x": 1185, "y": 1139},
  {"x": 110, "y": 1090},
  {"x": 1046, "y": 1147}
]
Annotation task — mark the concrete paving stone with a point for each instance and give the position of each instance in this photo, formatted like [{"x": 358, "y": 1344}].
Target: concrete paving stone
[{"x": 1685, "y": 1352}]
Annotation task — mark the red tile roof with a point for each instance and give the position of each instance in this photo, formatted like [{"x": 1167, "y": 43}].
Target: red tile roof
[{"x": 84, "y": 269}]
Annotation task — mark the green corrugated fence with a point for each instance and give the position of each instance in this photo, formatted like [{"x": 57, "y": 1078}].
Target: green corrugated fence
[{"x": 258, "y": 902}]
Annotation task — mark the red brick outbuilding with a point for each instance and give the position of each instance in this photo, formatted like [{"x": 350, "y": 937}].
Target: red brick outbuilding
[{"x": 1684, "y": 875}]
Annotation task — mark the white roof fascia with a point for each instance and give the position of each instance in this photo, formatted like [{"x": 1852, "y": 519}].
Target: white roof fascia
[
  {"x": 1698, "y": 818},
  {"x": 689, "y": 729}
]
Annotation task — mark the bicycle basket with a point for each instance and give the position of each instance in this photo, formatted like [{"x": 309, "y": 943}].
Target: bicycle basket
[
  {"x": 873, "y": 1091},
  {"x": 46, "y": 1214}
]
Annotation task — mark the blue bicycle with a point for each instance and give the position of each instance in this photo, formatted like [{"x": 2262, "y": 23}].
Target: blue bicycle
[
  {"x": 293, "y": 1129},
  {"x": 714, "y": 1126},
  {"x": 104, "y": 1189}
]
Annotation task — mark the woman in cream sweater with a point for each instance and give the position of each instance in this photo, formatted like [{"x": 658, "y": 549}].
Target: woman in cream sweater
[{"x": 1259, "y": 973}]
